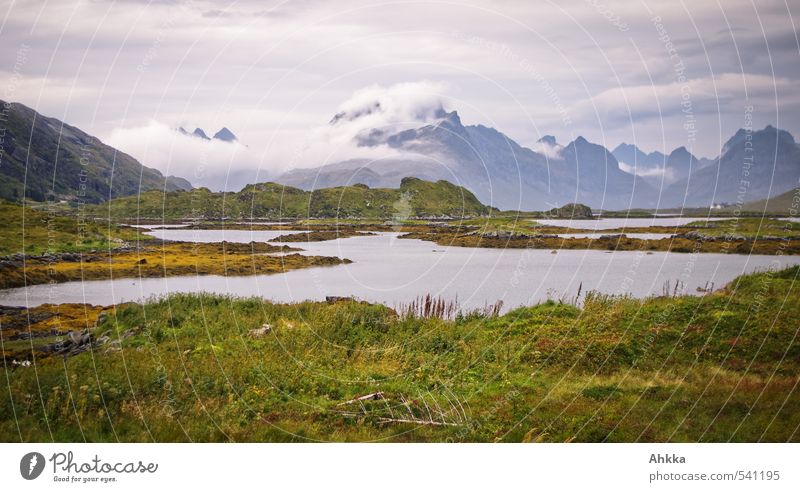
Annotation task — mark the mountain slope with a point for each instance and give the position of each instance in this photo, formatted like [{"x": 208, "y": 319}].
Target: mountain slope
[
  {"x": 413, "y": 198},
  {"x": 787, "y": 204},
  {"x": 498, "y": 170},
  {"x": 44, "y": 158},
  {"x": 752, "y": 166}
]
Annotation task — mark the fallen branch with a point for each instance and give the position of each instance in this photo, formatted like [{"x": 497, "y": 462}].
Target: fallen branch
[{"x": 372, "y": 396}]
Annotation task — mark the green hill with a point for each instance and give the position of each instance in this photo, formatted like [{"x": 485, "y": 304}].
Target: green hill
[
  {"x": 45, "y": 159},
  {"x": 414, "y": 199},
  {"x": 782, "y": 204}
]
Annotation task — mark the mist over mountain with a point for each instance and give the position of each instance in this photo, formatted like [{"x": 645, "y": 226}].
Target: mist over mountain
[
  {"x": 658, "y": 169},
  {"x": 498, "y": 170},
  {"x": 429, "y": 143},
  {"x": 506, "y": 175},
  {"x": 223, "y": 134}
]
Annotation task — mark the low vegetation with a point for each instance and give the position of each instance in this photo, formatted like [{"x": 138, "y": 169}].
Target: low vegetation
[
  {"x": 311, "y": 236},
  {"x": 721, "y": 367},
  {"x": 612, "y": 242},
  {"x": 37, "y": 231},
  {"x": 414, "y": 198},
  {"x": 160, "y": 259}
]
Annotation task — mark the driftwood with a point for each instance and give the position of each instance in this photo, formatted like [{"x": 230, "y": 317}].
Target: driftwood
[
  {"x": 414, "y": 421},
  {"x": 372, "y": 396}
]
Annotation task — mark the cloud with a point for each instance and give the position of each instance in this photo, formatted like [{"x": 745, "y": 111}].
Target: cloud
[
  {"x": 211, "y": 163},
  {"x": 647, "y": 172},
  {"x": 377, "y": 107},
  {"x": 388, "y": 109},
  {"x": 224, "y": 165},
  {"x": 547, "y": 150},
  {"x": 106, "y": 65}
]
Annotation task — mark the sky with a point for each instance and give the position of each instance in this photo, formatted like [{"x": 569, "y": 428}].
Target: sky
[{"x": 657, "y": 74}]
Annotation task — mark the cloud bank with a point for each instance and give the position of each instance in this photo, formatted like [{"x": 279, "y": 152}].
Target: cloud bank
[{"x": 229, "y": 165}]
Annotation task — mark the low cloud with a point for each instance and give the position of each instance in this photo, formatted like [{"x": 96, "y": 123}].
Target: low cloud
[
  {"x": 547, "y": 150},
  {"x": 211, "y": 163},
  {"x": 224, "y": 165},
  {"x": 386, "y": 109},
  {"x": 647, "y": 172}
]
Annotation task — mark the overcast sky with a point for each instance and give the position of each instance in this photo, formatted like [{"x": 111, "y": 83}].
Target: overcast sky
[{"x": 130, "y": 71}]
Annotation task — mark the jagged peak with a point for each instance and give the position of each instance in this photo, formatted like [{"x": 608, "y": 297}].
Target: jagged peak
[
  {"x": 225, "y": 135},
  {"x": 767, "y": 131},
  {"x": 198, "y": 132},
  {"x": 549, "y": 140},
  {"x": 580, "y": 141},
  {"x": 450, "y": 118}
]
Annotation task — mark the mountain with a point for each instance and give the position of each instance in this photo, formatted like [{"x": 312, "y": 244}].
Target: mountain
[
  {"x": 413, "y": 198},
  {"x": 549, "y": 140},
  {"x": 498, "y": 170},
  {"x": 198, "y": 132},
  {"x": 225, "y": 135},
  {"x": 753, "y": 165},
  {"x": 44, "y": 158},
  {"x": 657, "y": 168},
  {"x": 631, "y": 155}
]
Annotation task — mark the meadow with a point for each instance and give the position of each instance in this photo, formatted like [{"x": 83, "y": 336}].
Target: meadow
[{"x": 714, "y": 368}]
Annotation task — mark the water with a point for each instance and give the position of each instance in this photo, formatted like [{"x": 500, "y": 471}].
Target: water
[
  {"x": 157, "y": 226},
  {"x": 217, "y": 235},
  {"x": 391, "y": 271},
  {"x": 616, "y": 223},
  {"x": 632, "y": 235}
]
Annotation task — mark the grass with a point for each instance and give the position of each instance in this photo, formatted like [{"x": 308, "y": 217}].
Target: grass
[
  {"x": 749, "y": 227},
  {"x": 714, "y": 368},
  {"x": 163, "y": 259},
  {"x": 414, "y": 198},
  {"x": 677, "y": 245},
  {"x": 39, "y": 231},
  {"x": 302, "y": 237}
]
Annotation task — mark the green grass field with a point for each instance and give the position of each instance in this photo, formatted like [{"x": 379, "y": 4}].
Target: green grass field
[
  {"x": 722, "y": 367},
  {"x": 38, "y": 231}
]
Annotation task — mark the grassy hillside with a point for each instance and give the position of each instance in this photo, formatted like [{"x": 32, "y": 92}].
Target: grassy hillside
[
  {"x": 189, "y": 368},
  {"x": 46, "y": 159},
  {"x": 414, "y": 198},
  {"x": 787, "y": 204},
  {"x": 38, "y": 231}
]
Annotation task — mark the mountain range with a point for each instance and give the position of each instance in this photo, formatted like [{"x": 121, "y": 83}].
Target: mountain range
[
  {"x": 504, "y": 174},
  {"x": 45, "y": 159},
  {"x": 657, "y": 168},
  {"x": 224, "y": 134}
]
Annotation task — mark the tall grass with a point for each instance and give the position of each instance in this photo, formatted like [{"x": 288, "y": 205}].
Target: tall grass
[{"x": 430, "y": 307}]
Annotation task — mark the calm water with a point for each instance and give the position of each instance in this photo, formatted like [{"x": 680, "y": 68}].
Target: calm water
[
  {"x": 615, "y": 223},
  {"x": 391, "y": 270},
  {"x": 216, "y": 236},
  {"x": 632, "y": 235}
]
